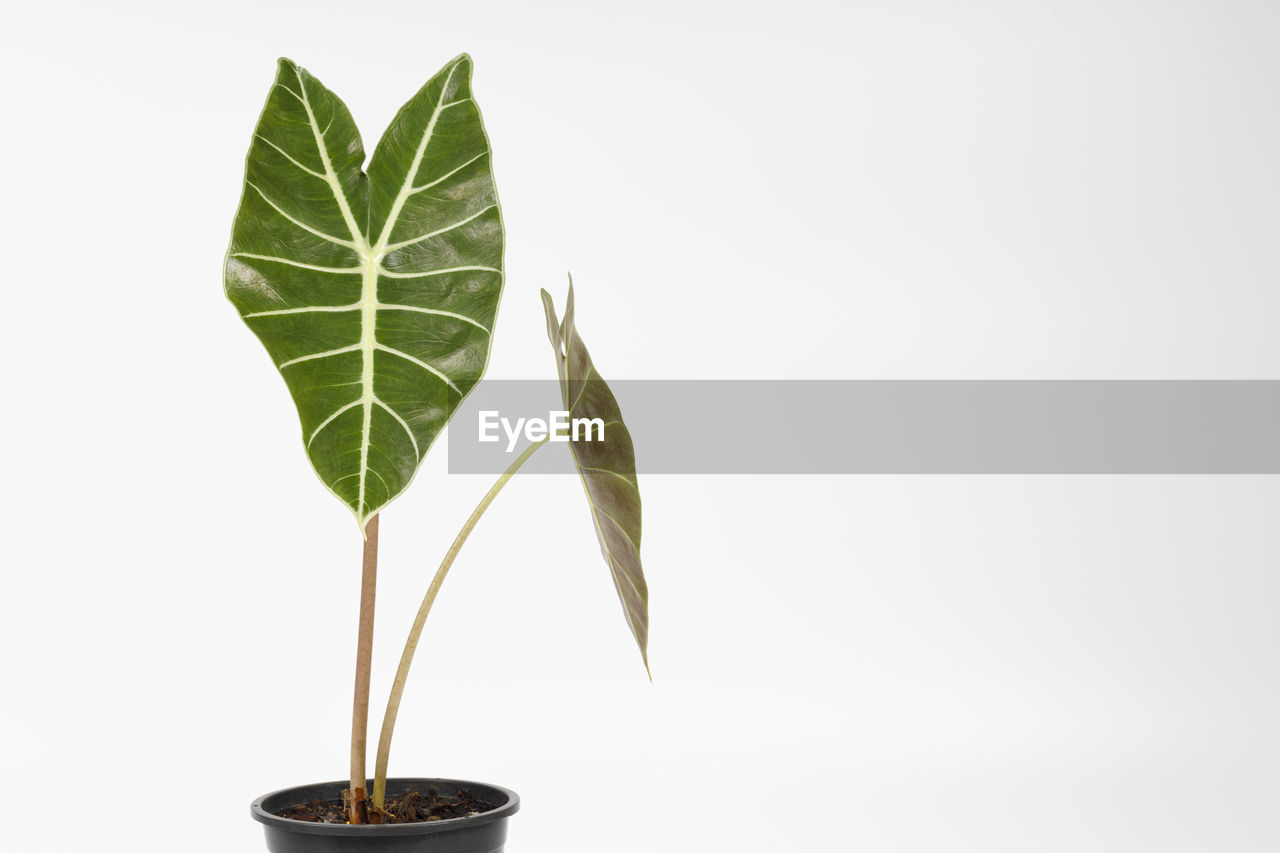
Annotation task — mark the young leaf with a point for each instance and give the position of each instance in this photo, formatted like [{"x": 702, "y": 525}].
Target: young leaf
[
  {"x": 375, "y": 295},
  {"x": 607, "y": 468}
]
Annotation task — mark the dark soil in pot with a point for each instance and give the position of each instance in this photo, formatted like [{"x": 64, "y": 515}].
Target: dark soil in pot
[
  {"x": 435, "y": 816},
  {"x": 418, "y": 805}
]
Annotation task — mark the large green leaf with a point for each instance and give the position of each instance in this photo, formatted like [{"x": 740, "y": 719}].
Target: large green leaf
[
  {"x": 607, "y": 468},
  {"x": 375, "y": 294}
]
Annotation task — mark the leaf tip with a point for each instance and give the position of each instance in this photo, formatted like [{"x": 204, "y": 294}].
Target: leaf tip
[
  {"x": 553, "y": 322},
  {"x": 569, "y": 322},
  {"x": 463, "y": 61}
]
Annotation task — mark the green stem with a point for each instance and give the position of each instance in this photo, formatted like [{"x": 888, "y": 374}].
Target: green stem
[{"x": 411, "y": 644}]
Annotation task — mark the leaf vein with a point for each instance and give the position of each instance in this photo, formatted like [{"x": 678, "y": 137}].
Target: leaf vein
[
  {"x": 315, "y": 355},
  {"x": 290, "y": 158},
  {"x": 394, "y": 246},
  {"x": 331, "y": 419},
  {"x": 447, "y": 175},
  {"x": 390, "y": 411},
  {"x": 355, "y": 306},
  {"x": 393, "y": 215},
  {"x": 299, "y": 264},
  {"x": 585, "y": 378},
  {"x": 304, "y": 226},
  {"x": 433, "y": 371},
  {"x": 621, "y": 477},
  {"x": 291, "y": 92},
  {"x": 383, "y": 306},
  {"x": 389, "y": 274}
]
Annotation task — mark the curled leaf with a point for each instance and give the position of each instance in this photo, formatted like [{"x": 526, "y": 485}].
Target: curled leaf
[{"x": 607, "y": 467}]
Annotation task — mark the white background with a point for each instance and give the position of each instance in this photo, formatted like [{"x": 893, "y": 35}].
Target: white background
[{"x": 742, "y": 190}]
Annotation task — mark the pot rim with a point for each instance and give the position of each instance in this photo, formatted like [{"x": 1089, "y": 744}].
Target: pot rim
[{"x": 502, "y": 811}]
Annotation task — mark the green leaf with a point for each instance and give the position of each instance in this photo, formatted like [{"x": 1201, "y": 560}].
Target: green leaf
[
  {"x": 375, "y": 295},
  {"x": 607, "y": 468}
]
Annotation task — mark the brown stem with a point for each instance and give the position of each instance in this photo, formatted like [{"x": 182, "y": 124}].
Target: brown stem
[{"x": 364, "y": 660}]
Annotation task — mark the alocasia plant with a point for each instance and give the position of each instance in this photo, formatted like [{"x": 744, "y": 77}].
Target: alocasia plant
[{"x": 375, "y": 293}]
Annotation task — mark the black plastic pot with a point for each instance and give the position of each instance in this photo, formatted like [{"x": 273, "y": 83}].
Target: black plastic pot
[{"x": 481, "y": 833}]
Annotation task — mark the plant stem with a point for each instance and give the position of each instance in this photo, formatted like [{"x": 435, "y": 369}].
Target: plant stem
[
  {"x": 411, "y": 644},
  {"x": 364, "y": 660}
]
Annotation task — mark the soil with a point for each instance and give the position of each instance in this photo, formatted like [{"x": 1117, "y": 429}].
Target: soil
[{"x": 417, "y": 806}]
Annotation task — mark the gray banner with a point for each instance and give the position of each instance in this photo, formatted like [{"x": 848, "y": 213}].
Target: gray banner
[{"x": 901, "y": 427}]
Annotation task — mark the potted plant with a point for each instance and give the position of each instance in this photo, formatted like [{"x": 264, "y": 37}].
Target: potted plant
[{"x": 375, "y": 293}]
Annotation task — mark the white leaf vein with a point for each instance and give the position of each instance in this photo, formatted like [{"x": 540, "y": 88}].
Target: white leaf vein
[
  {"x": 439, "y": 231},
  {"x": 315, "y": 355},
  {"x": 331, "y": 419},
  {"x": 390, "y": 411},
  {"x": 298, "y": 222},
  {"x": 447, "y": 175},
  {"x": 299, "y": 264},
  {"x": 290, "y": 158},
  {"x": 416, "y": 163},
  {"x": 383, "y": 306},
  {"x": 307, "y": 309},
  {"x": 389, "y": 274},
  {"x": 290, "y": 91},
  {"x": 433, "y": 371}
]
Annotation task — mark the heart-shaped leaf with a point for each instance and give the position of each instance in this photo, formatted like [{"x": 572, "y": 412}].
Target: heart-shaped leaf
[
  {"x": 375, "y": 295},
  {"x": 607, "y": 467}
]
